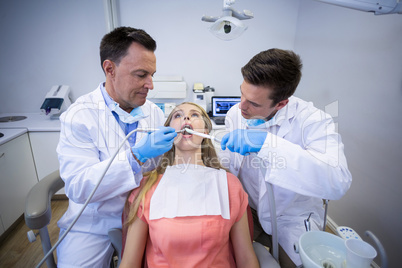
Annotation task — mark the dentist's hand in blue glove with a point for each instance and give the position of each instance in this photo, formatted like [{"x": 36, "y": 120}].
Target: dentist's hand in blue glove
[
  {"x": 244, "y": 141},
  {"x": 154, "y": 144}
]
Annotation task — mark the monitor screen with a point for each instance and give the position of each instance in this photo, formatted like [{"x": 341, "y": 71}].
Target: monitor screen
[{"x": 221, "y": 105}]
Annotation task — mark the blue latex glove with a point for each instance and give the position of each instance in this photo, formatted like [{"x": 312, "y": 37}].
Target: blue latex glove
[
  {"x": 244, "y": 141},
  {"x": 154, "y": 144}
]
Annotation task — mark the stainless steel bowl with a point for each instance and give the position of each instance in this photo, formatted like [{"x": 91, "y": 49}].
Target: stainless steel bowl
[{"x": 6, "y": 119}]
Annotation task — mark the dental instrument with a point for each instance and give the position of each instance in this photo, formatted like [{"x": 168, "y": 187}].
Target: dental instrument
[
  {"x": 307, "y": 223},
  {"x": 201, "y": 135},
  {"x": 149, "y": 130},
  {"x": 146, "y": 130}
]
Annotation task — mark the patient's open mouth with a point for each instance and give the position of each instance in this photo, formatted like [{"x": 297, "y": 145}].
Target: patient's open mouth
[{"x": 185, "y": 126}]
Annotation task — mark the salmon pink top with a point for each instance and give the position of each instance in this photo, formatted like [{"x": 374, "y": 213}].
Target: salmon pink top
[{"x": 192, "y": 241}]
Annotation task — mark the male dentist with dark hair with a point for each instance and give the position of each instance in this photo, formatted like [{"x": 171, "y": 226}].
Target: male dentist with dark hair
[{"x": 279, "y": 139}]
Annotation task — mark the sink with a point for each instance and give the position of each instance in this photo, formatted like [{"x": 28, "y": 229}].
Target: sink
[
  {"x": 6, "y": 119},
  {"x": 319, "y": 249}
]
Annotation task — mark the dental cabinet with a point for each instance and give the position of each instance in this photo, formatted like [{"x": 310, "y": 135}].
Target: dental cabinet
[
  {"x": 28, "y": 154},
  {"x": 43, "y": 134},
  {"x": 17, "y": 177},
  {"x": 44, "y": 146}
]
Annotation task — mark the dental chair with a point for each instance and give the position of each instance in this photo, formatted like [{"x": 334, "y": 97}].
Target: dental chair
[
  {"x": 38, "y": 211},
  {"x": 38, "y": 214}
]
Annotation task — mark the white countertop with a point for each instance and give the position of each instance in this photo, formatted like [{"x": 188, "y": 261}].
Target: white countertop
[
  {"x": 10, "y": 134},
  {"x": 34, "y": 122}
]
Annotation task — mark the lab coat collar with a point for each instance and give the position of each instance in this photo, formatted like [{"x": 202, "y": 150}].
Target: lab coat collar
[
  {"x": 285, "y": 116},
  {"x": 106, "y": 117},
  {"x": 98, "y": 98}
]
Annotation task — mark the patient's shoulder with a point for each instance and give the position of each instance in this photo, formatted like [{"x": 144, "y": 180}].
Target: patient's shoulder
[{"x": 233, "y": 181}]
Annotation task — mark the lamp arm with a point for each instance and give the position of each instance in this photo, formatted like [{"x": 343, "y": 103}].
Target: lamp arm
[
  {"x": 209, "y": 18},
  {"x": 245, "y": 15}
]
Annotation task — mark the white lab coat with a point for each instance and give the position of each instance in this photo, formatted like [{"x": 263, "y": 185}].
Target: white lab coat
[
  {"x": 304, "y": 161},
  {"x": 89, "y": 136}
]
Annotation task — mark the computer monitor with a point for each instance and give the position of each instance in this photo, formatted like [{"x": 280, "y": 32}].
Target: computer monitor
[{"x": 221, "y": 105}]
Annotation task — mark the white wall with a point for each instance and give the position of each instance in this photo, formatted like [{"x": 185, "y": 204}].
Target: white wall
[
  {"x": 354, "y": 59},
  {"x": 46, "y": 43}
]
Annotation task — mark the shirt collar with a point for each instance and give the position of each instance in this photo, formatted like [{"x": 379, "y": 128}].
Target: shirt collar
[{"x": 108, "y": 100}]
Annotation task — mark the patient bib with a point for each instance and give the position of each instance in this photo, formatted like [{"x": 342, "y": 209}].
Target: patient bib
[{"x": 190, "y": 190}]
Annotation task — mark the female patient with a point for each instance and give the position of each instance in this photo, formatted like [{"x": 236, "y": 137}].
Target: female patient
[{"x": 188, "y": 212}]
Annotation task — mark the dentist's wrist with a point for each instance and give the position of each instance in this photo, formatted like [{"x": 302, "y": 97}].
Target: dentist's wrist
[
  {"x": 137, "y": 156},
  {"x": 134, "y": 162}
]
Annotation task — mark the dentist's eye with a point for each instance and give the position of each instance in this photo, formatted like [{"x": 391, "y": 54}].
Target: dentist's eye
[{"x": 140, "y": 74}]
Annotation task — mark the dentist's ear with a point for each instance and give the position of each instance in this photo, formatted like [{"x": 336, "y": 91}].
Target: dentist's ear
[
  {"x": 109, "y": 68},
  {"x": 281, "y": 104}
]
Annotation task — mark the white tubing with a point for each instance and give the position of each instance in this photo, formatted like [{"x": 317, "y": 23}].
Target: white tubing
[{"x": 89, "y": 198}]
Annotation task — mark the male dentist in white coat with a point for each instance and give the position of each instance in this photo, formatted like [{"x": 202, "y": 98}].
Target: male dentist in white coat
[
  {"x": 280, "y": 139},
  {"x": 91, "y": 131}
]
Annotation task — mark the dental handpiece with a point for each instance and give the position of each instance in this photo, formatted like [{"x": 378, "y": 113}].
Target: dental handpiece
[
  {"x": 149, "y": 130},
  {"x": 202, "y": 135}
]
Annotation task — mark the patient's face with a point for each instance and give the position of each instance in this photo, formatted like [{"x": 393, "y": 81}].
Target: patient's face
[{"x": 188, "y": 116}]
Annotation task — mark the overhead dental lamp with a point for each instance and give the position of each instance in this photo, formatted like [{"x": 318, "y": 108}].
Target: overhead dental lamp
[
  {"x": 378, "y": 7},
  {"x": 228, "y": 26}
]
